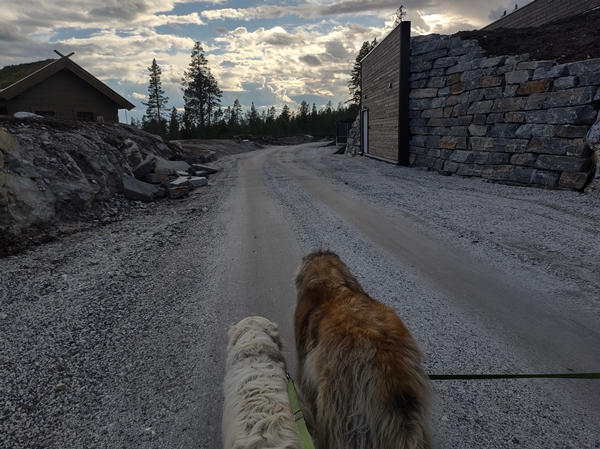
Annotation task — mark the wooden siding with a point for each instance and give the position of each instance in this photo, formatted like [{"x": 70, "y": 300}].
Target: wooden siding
[
  {"x": 540, "y": 12},
  {"x": 380, "y": 68},
  {"x": 66, "y": 94}
]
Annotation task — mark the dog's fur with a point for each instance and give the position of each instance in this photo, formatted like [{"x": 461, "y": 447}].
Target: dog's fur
[
  {"x": 257, "y": 412},
  {"x": 359, "y": 368}
]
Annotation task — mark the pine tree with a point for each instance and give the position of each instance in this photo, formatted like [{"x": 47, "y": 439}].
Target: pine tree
[
  {"x": 253, "y": 120},
  {"x": 283, "y": 121},
  {"x": 174, "y": 124},
  {"x": 270, "y": 120},
  {"x": 154, "y": 121},
  {"x": 399, "y": 15},
  {"x": 303, "y": 117},
  {"x": 355, "y": 76},
  {"x": 201, "y": 92},
  {"x": 236, "y": 113},
  {"x": 157, "y": 101}
]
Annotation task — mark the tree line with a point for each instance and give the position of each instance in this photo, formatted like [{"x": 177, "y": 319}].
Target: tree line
[{"x": 204, "y": 117}]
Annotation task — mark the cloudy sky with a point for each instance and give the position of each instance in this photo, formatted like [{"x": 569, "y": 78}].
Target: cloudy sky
[{"x": 270, "y": 52}]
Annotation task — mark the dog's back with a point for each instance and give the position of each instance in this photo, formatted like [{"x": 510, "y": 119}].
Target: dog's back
[
  {"x": 256, "y": 411},
  {"x": 359, "y": 367}
]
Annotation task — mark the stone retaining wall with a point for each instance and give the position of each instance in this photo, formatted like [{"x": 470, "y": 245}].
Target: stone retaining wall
[{"x": 505, "y": 118}]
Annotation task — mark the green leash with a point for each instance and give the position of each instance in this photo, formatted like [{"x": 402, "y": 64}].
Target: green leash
[
  {"x": 514, "y": 376},
  {"x": 298, "y": 416}
]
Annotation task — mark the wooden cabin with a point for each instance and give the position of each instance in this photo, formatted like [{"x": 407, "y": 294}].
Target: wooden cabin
[{"x": 58, "y": 88}]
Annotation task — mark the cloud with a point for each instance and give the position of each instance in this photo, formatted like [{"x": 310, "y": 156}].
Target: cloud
[
  {"x": 460, "y": 13},
  {"x": 311, "y": 60},
  {"x": 305, "y": 10},
  {"x": 39, "y": 17},
  {"x": 269, "y": 61},
  {"x": 290, "y": 64},
  {"x": 279, "y": 39}
]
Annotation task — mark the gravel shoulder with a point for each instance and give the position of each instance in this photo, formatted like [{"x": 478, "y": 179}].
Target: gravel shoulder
[
  {"x": 115, "y": 336},
  {"x": 112, "y": 337}
]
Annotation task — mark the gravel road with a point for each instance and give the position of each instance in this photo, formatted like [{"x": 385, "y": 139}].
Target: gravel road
[{"x": 115, "y": 336}]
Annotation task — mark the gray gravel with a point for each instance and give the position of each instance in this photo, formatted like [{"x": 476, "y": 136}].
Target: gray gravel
[
  {"x": 114, "y": 337},
  {"x": 519, "y": 230},
  {"x": 109, "y": 338}
]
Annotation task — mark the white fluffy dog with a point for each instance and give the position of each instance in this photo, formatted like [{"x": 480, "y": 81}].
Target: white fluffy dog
[{"x": 257, "y": 412}]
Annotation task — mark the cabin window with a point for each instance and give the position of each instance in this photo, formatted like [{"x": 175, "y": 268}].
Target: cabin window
[
  {"x": 85, "y": 116},
  {"x": 45, "y": 113},
  {"x": 3, "y": 110}
]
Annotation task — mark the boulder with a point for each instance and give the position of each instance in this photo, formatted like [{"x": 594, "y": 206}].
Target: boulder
[
  {"x": 177, "y": 192},
  {"x": 198, "y": 181},
  {"x": 182, "y": 181},
  {"x": 204, "y": 169},
  {"x": 144, "y": 168},
  {"x": 154, "y": 178},
  {"x": 170, "y": 167},
  {"x": 132, "y": 152},
  {"x": 135, "y": 189}
]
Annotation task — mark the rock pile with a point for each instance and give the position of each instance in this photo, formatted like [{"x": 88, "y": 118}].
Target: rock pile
[
  {"x": 54, "y": 173},
  {"x": 156, "y": 178}
]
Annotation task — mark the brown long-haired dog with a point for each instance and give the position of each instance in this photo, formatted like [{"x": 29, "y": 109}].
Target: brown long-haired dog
[{"x": 359, "y": 368}]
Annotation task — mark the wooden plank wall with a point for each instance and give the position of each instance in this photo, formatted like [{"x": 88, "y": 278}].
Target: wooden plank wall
[
  {"x": 380, "y": 91},
  {"x": 539, "y": 12}
]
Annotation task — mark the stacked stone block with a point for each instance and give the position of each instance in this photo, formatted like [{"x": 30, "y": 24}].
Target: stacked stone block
[{"x": 506, "y": 118}]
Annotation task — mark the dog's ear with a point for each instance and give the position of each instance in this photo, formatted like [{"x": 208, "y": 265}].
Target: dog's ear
[{"x": 272, "y": 331}]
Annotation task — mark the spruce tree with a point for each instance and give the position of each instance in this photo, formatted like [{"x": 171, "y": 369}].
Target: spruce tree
[
  {"x": 174, "y": 124},
  {"x": 236, "y": 113},
  {"x": 154, "y": 121},
  {"x": 303, "y": 117},
  {"x": 283, "y": 121},
  {"x": 254, "y": 122},
  {"x": 201, "y": 92}
]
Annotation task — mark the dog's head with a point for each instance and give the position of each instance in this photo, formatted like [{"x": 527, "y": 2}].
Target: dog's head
[
  {"x": 251, "y": 328},
  {"x": 324, "y": 267}
]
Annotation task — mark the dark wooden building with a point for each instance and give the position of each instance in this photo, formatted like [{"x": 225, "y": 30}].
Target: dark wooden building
[
  {"x": 58, "y": 88},
  {"x": 385, "y": 74}
]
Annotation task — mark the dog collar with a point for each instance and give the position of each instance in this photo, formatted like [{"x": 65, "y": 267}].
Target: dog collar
[{"x": 305, "y": 437}]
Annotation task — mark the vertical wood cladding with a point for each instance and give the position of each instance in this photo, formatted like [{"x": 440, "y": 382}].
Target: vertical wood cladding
[
  {"x": 66, "y": 94},
  {"x": 380, "y": 69}
]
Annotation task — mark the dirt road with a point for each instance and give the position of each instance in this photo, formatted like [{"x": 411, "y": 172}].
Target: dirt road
[{"x": 116, "y": 336}]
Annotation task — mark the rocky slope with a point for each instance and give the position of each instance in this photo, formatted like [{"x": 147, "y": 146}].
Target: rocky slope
[{"x": 56, "y": 176}]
